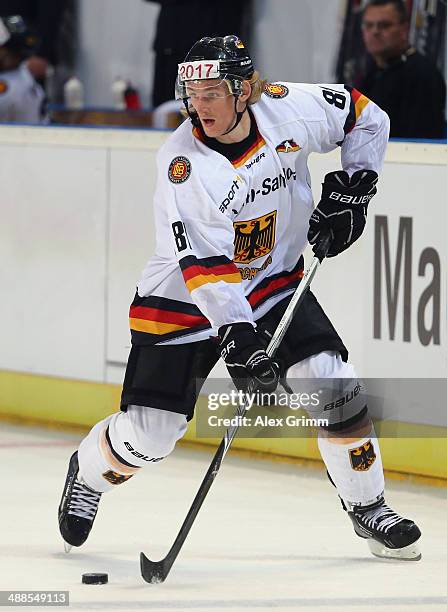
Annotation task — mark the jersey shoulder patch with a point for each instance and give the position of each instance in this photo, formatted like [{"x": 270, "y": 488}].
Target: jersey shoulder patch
[
  {"x": 179, "y": 169},
  {"x": 276, "y": 90},
  {"x": 3, "y": 86}
]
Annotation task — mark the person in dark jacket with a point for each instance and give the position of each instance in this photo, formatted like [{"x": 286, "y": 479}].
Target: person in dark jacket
[
  {"x": 403, "y": 82},
  {"x": 180, "y": 24},
  {"x": 44, "y": 16}
]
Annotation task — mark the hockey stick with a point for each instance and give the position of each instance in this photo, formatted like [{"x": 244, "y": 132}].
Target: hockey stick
[{"x": 157, "y": 571}]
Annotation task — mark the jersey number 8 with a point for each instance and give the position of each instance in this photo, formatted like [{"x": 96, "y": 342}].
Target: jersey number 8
[
  {"x": 180, "y": 236},
  {"x": 335, "y": 97}
]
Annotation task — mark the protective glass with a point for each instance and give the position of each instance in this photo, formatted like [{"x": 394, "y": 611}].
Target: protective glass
[{"x": 196, "y": 89}]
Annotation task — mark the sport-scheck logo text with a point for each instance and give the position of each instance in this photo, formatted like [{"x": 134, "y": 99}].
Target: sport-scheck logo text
[{"x": 230, "y": 195}]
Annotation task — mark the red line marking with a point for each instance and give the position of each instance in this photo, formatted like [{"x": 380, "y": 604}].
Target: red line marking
[{"x": 37, "y": 444}]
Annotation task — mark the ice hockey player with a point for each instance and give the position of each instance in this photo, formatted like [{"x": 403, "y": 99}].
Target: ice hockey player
[
  {"x": 234, "y": 212},
  {"x": 21, "y": 98}
]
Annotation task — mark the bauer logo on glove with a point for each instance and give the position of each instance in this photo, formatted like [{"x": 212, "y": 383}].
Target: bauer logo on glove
[
  {"x": 344, "y": 199},
  {"x": 342, "y": 209}
]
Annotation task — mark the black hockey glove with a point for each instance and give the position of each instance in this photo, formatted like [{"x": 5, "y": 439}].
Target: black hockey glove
[
  {"x": 342, "y": 208},
  {"x": 247, "y": 362}
]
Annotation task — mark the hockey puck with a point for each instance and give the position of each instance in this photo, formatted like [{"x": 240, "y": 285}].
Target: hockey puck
[{"x": 95, "y": 578}]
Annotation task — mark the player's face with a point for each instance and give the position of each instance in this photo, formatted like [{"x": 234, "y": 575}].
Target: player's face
[
  {"x": 214, "y": 105},
  {"x": 384, "y": 34}
]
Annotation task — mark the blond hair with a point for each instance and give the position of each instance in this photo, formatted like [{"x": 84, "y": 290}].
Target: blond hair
[{"x": 257, "y": 87}]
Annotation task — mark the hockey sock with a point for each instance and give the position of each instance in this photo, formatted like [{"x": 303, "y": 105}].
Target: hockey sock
[
  {"x": 355, "y": 468},
  {"x": 98, "y": 467},
  {"x": 118, "y": 446}
]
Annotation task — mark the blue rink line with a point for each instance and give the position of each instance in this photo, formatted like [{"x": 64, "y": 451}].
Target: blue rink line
[
  {"x": 121, "y": 128},
  {"x": 100, "y": 109},
  {"x": 420, "y": 140},
  {"x": 150, "y": 129},
  {"x": 293, "y": 603}
]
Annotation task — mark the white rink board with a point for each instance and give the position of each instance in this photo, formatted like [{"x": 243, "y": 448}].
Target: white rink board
[
  {"x": 52, "y": 253},
  {"x": 131, "y": 238},
  {"x": 76, "y": 232}
]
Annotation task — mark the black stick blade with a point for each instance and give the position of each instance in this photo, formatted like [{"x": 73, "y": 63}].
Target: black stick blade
[{"x": 153, "y": 572}]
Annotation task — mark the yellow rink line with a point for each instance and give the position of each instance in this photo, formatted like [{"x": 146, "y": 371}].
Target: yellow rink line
[{"x": 74, "y": 404}]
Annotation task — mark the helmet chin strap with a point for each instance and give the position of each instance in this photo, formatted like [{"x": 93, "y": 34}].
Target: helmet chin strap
[
  {"x": 239, "y": 115},
  {"x": 193, "y": 116}
]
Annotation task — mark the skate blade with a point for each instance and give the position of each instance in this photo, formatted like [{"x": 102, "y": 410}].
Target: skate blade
[
  {"x": 67, "y": 547},
  {"x": 407, "y": 553}
]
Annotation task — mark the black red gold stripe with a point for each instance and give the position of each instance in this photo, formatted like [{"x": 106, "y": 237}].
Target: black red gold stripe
[
  {"x": 156, "y": 319},
  {"x": 258, "y": 144},
  {"x": 152, "y": 317},
  {"x": 276, "y": 284},
  {"x": 198, "y": 134},
  {"x": 144, "y": 318},
  {"x": 197, "y": 272},
  {"x": 242, "y": 159},
  {"x": 358, "y": 103}
]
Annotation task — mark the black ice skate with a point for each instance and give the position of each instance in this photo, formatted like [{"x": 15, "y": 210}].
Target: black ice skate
[
  {"x": 77, "y": 509},
  {"x": 389, "y": 535}
]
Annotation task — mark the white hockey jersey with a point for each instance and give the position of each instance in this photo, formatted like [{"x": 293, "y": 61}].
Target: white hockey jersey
[
  {"x": 230, "y": 235},
  {"x": 21, "y": 98}
]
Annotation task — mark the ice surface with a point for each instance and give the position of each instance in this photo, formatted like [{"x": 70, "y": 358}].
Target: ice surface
[{"x": 269, "y": 536}]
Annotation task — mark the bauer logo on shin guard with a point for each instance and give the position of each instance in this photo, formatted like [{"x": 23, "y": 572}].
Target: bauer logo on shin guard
[
  {"x": 139, "y": 455},
  {"x": 342, "y": 401},
  {"x": 362, "y": 457}
]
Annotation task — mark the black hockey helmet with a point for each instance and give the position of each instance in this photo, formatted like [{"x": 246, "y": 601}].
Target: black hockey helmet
[
  {"x": 230, "y": 50},
  {"x": 17, "y": 36},
  {"x": 228, "y": 60}
]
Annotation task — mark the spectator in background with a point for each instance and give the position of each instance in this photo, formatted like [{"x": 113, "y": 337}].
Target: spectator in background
[
  {"x": 404, "y": 83},
  {"x": 44, "y": 17},
  {"x": 21, "y": 98},
  {"x": 180, "y": 24}
]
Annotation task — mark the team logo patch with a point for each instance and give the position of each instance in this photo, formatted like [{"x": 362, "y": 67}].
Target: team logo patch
[
  {"x": 179, "y": 169},
  {"x": 288, "y": 146},
  {"x": 276, "y": 90},
  {"x": 254, "y": 238},
  {"x": 115, "y": 478},
  {"x": 3, "y": 87},
  {"x": 362, "y": 457}
]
